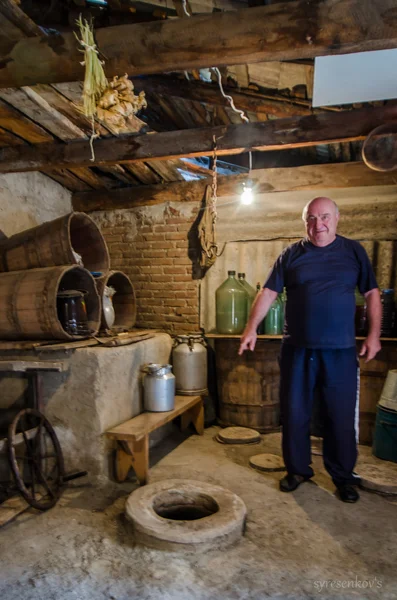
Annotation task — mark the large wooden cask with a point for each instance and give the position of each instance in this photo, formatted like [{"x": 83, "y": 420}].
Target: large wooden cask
[
  {"x": 248, "y": 385},
  {"x": 28, "y": 302},
  {"x": 58, "y": 242}
]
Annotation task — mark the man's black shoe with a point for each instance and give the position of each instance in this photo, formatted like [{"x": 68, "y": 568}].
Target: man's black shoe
[
  {"x": 347, "y": 493},
  {"x": 289, "y": 483}
]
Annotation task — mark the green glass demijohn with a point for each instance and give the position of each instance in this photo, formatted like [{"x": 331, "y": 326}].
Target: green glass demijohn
[
  {"x": 231, "y": 306},
  {"x": 273, "y": 318},
  {"x": 251, "y": 292}
]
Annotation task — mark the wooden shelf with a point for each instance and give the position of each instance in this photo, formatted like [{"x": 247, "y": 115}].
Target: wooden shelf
[
  {"x": 224, "y": 336},
  {"x": 215, "y": 336}
]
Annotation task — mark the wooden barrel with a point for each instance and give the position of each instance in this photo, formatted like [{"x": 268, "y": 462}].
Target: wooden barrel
[
  {"x": 28, "y": 302},
  {"x": 56, "y": 243},
  {"x": 124, "y": 302},
  {"x": 248, "y": 385}
]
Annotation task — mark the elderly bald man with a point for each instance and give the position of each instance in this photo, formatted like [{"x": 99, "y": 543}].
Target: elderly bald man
[{"x": 318, "y": 353}]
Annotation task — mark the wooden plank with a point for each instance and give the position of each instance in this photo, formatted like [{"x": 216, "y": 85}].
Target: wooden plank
[
  {"x": 142, "y": 172},
  {"x": 71, "y": 111},
  {"x": 165, "y": 169},
  {"x": 210, "y": 93},
  {"x": 285, "y": 31},
  {"x": 147, "y": 422},
  {"x": 13, "y": 121},
  {"x": 342, "y": 175},
  {"x": 35, "y": 107},
  {"x": 276, "y": 134},
  {"x": 90, "y": 178},
  {"x": 21, "y": 366},
  {"x": 68, "y": 179},
  {"x": 9, "y": 139}
]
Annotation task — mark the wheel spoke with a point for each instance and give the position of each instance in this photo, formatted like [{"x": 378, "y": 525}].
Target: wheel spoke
[
  {"x": 38, "y": 465},
  {"x": 43, "y": 479}
]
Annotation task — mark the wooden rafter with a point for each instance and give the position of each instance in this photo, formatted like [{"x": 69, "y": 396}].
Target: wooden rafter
[
  {"x": 337, "y": 175},
  {"x": 284, "y": 31},
  {"x": 278, "y": 134}
]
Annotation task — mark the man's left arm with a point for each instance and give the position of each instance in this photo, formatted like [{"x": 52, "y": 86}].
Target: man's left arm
[{"x": 371, "y": 344}]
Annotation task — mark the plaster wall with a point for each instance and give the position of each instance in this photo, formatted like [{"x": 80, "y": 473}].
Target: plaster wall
[
  {"x": 29, "y": 199},
  {"x": 100, "y": 388},
  {"x": 26, "y": 200}
]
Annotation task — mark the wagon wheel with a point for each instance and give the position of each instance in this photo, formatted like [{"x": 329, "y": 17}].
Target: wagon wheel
[{"x": 36, "y": 458}]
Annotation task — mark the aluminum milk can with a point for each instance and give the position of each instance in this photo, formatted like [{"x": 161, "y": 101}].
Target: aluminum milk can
[
  {"x": 189, "y": 358},
  {"x": 158, "y": 388}
]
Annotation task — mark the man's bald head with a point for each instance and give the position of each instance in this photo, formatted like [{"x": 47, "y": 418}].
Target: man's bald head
[
  {"x": 321, "y": 216},
  {"x": 319, "y": 198}
]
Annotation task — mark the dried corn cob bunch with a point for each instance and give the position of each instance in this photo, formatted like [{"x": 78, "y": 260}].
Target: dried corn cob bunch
[{"x": 118, "y": 103}]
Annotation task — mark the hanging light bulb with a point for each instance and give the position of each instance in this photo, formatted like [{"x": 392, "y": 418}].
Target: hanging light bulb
[{"x": 247, "y": 195}]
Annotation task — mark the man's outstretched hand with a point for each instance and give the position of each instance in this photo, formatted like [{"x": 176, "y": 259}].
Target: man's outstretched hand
[
  {"x": 370, "y": 348},
  {"x": 248, "y": 341}
]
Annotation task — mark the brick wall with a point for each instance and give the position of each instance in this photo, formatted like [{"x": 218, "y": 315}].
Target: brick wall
[{"x": 151, "y": 246}]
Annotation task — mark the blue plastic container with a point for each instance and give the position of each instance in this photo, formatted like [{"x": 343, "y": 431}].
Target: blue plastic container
[{"x": 385, "y": 438}]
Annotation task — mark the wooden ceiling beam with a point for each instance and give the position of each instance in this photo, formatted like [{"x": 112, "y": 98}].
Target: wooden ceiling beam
[
  {"x": 278, "y": 134},
  {"x": 313, "y": 177},
  {"x": 17, "y": 17},
  {"x": 285, "y": 31}
]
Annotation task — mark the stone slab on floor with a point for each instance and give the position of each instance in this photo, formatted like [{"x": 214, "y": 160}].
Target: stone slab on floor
[{"x": 303, "y": 545}]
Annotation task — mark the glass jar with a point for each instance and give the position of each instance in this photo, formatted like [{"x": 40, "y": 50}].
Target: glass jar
[
  {"x": 273, "y": 318},
  {"x": 231, "y": 306},
  {"x": 251, "y": 293}
]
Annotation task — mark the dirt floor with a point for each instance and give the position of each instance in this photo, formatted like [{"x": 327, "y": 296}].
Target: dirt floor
[{"x": 306, "y": 544}]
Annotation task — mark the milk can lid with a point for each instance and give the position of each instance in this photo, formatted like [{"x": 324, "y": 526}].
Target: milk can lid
[{"x": 156, "y": 368}]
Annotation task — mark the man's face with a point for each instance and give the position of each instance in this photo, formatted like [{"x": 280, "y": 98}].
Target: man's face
[{"x": 321, "y": 221}]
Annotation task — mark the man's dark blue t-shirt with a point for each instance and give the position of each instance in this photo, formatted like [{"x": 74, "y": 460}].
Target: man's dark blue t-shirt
[{"x": 320, "y": 285}]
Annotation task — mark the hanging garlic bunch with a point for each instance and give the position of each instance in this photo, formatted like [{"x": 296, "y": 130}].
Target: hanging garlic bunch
[{"x": 118, "y": 103}]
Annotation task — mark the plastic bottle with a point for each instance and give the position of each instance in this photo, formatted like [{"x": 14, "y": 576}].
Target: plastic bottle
[
  {"x": 231, "y": 306},
  {"x": 251, "y": 293}
]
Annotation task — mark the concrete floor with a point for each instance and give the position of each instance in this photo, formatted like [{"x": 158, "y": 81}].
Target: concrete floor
[{"x": 302, "y": 545}]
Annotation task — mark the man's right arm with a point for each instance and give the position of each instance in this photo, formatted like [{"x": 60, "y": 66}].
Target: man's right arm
[{"x": 259, "y": 310}]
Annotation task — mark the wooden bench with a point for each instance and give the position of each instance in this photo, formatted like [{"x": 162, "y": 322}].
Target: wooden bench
[{"x": 133, "y": 436}]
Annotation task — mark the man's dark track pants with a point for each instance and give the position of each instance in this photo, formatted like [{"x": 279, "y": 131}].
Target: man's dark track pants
[{"x": 333, "y": 375}]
